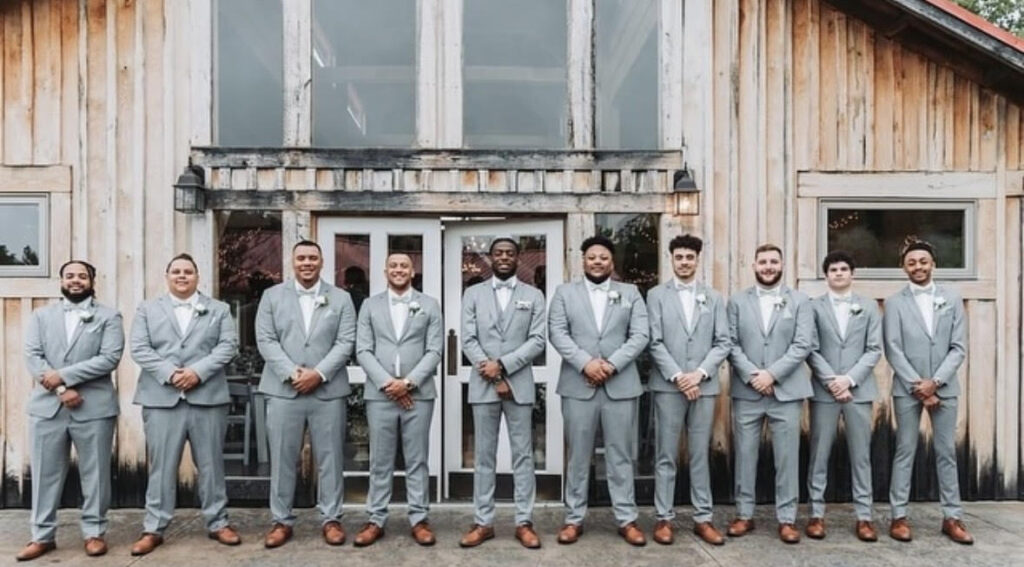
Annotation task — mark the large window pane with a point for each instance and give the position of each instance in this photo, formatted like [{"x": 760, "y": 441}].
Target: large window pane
[
  {"x": 364, "y": 73},
  {"x": 249, "y": 73},
  {"x": 24, "y": 231},
  {"x": 514, "y": 74},
  {"x": 626, "y": 73}
]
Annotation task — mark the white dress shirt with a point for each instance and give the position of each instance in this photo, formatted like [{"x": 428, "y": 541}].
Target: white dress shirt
[
  {"x": 72, "y": 315},
  {"x": 599, "y": 299},
  {"x": 841, "y": 308},
  {"x": 503, "y": 290},
  {"x": 687, "y": 293},
  {"x": 307, "y": 302},
  {"x": 183, "y": 310},
  {"x": 399, "y": 306},
  {"x": 767, "y": 298},
  {"x": 924, "y": 296}
]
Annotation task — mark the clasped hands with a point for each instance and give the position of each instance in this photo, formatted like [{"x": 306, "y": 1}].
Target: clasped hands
[
  {"x": 70, "y": 398},
  {"x": 490, "y": 370},
  {"x": 396, "y": 391},
  {"x": 763, "y": 382},
  {"x": 689, "y": 383},
  {"x": 184, "y": 379},
  {"x": 924, "y": 390},
  {"x": 839, "y": 386},
  {"x": 597, "y": 372}
]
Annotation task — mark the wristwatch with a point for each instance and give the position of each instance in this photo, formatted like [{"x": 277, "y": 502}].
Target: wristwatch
[
  {"x": 408, "y": 384},
  {"x": 61, "y": 389}
]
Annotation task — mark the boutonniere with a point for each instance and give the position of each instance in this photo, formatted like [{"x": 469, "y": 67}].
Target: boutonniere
[
  {"x": 200, "y": 309},
  {"x": 702, "y": 299},
  {"x": 855, "y": 309},
  {"x": 414, "y": 307},
  {"x": 524, "y": 305},
  {"x": 320, "y": 301},
  {"x": 614, "y": 296},
  {"x": 85, "y": 316},
  {"x": 939, "y": 303},
  {"x": 779, "y": 302}
]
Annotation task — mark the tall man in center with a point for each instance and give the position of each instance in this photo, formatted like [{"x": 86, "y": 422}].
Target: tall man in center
[
  {"x": 599, "y": 327},
  {"x": 399, "y": 345},
  {"x": 772, "y": 332},
  {"x": 305, "y": 330},
  {"x": 502, "y": 333}
]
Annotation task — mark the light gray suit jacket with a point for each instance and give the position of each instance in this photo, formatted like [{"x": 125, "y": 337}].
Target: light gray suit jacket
[
  {"x": 856, "y": 354},
  {"x": 781, "y": 350},
  {"x": 159, "y": 348},
  {"x": 284, "y": 344},
  {"x": 515, "y": 337},
  {"x": 676, "y": 348},
  {"x": 84, "y": 363},
  {"x": 912, "y": 354},
  {"x": 573, "y": 332},
  {"x": 419, "y": 345}
]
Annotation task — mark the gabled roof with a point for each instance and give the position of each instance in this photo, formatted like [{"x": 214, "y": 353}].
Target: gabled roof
[{"x": 947, "y": 33}]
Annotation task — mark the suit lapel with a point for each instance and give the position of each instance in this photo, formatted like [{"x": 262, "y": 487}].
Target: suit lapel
[
  {"x": 318, "y": 310},
  {"x": 57, "y": 328},
  {"x": 911, "y": 304},
  {"x": 193, "y": 321},
  {"x": 165, "y": 305},
  {"x": 413, "y": 297},
  {"x": 675, "y": 306},
  {"x": 584, "y": 295},
  {"x": 505, "y": 317},
  {"x": 609, "y": 304},
  {"x": 825, "y": 304},
  {"x": 77, "y": 333},
  {"x": 381, "y": 304}
]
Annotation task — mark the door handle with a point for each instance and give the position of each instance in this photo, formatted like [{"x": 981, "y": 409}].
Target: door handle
[{"x": 453, "y": 353}]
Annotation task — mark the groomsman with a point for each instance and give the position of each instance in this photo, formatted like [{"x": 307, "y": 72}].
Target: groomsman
[
  {"x": 399, "y": 345},
  {"x": 689, "y": 341},
  {"x": 925, "y": 344},
  {"x": 182, "y": 341},
  {"x": 842, "y": 362},
  {"x": 71, "y": 347},
  {"x": 772, "y": 331},
  {"x": 305, "y": 331},
  {"x": 502, "y": 333},
  {"x": 599, "y": 327}
]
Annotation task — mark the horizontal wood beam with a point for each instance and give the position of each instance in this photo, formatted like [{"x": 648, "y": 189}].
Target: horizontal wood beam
[
  {"x": 908, "y": 184},
  {"x": 35, "y": 178}
]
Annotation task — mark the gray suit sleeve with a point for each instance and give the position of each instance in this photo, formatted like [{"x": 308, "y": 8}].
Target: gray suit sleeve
[
  {"x": 957, "y": 347},
  {"x": 803, "y": 340},
  {"x": 737, "y": 357},
  {"x": 659, "y": 352},
  {"x": 222, "y": 353},
  {"x": 470, "y": 331},
  {"x": 872, "y": 348},
  {"x": 639, "y": 333},
  {"x": 820, "y": 368},
  {"x": 105, "y": 361},
  {"x": 344, "y": 341},
  {"x": 894, "y": 354},
  {"x": 720, "y": 342},
  {"x": 559, "y": 335},
  {"x": 427, "y": 365},
  {"x": 365, "y": 344},
  {"x": 269, "y": 344},
  {"x": 534, "y": 344},
  {"x": 35, "y": 353},
  {"x": 142, "y": 350}
]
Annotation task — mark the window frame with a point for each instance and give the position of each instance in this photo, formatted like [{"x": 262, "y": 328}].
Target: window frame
[
  {"x": 42, "y": 200},
  {"x": 968, "y": 206}
]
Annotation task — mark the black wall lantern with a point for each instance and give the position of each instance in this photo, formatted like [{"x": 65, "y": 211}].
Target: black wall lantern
[
  {"x": 189, "y": 194},
  {"x": 686, "y": 191}
]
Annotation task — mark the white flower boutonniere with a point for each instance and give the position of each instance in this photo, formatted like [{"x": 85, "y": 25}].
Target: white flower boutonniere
[
  {"x": 523, "y": 305},
  {"x": 200, "y": 309},
  {"x": 856, "y": 309},
  {"x": 320, "y": 301},
  {"x": 939, "y": 302},
  {"x": 85, "y": 316},
  {"x": 414, "y": 308},
  {"x": 701, "y": 299},
  {"x": 779, "y": 302},
  {"x": 614, "y": 296}
]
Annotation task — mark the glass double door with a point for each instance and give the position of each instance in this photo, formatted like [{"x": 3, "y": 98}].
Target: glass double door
[{"x": 448, "y": 258}]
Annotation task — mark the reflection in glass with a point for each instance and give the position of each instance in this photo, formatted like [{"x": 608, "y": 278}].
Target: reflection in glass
[
  {"x": 636, "y": 246},
  {"x": 20, "y": 238},
  {"x": 412, "y": 246},
  {"x": 540, "y": 416},
  {"x": 515, "y": 79},
  {"x": 352, "y": 266},
  {"x": 626, "y": 73},
  {"x": 364, "y": 73},
  {"x": 249, "y": 73},
  {"x": 875, "y": 236},
  {"x": 357, "y": 432}
]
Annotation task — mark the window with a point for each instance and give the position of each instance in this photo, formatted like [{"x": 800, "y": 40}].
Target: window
[
  {"x": 249, "y": 73},
  {"x": 24, "y": 231},
  {"x": 364, "y": 73},
  {"x": 636, "y": 246},
  {"x": 515, "y": 78},
  {"x": 874, "y": 232},
  {"x": 626, "y": 73}
]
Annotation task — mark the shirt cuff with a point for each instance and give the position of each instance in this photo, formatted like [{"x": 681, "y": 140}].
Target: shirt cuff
[
  {"x": 703, "y": 372},
  {"x": 322, "y": 377}
]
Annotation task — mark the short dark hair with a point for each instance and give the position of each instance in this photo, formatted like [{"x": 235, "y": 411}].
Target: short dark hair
[
  {"x": 837, "y": 256},
  {"x": 767, "y": 247},
  {"x": 307, "y": 243},
  {"x": 499, "y": 240},
  {"x": 916, "y": 245},
  {"x": 182, "y": 256},
  {"x": 687, "y": 241},
  {"x": 598, "y": 240},
  {"x": 89, "y": 269}
]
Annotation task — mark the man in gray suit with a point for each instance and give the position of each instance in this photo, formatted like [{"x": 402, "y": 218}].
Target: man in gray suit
[
  {"x": 599, "y": 327},
  {"x": 399, "y": 344},
  {"x": 71, "y": 347},
  {"x": 502, "y": 333},
  {"x": 849, "y": 331},
  {"x": 925, "y": 344},
  {"x": 182, "y": 341},
  {"x": 772, "y": 332},
  {"x": 305, "y": 331},
  {"x": 689, "y": 341}
]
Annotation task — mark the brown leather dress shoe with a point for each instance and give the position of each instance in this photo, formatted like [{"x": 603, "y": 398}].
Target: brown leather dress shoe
[
  {"x": 866, "y": 531},
  {"x": 35, "y": 549},
  {"x": 570, "y": 533},
  {"x": 476, "y": 535},
  {"x": 370, "y": 533},
  {"x": 899, "y": 530},
  {"x": 707, "y": 532},
  {"x": 147, "y": 543},
  {"x": 226, "y": 536},
  {"x": 740, "y": 527},
  {"x": 422, "y": 533},
  {"x": 633, "y": 534},
  {"x": 663, "y": 532},
  {"x": 277, "y": 536},
  {"x": 334, "y": 533},
  {"x": 788, "y": 533},
  {"x": 95, "y": 546},
  {"x": 527, "y": 537},
  {"x": 957, "y": 531},
  {"x": 815, "y": 528}
]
